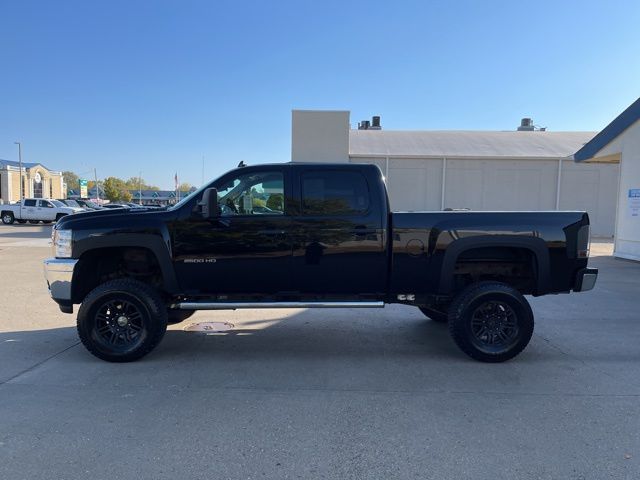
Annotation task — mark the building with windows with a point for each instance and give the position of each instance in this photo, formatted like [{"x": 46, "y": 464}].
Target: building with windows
[
  {"x": 524, "y": 169},
  {"x": 37, "y": 181}
]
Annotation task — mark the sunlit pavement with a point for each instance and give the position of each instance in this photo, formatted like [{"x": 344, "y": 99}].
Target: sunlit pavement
[{"x": 320, "y": 393}]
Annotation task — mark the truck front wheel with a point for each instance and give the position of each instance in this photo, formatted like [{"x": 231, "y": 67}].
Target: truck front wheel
[
  {"x": 7, "y": 218},
  {"x": 122, "y": 320},
  {"x": 490, "y": 321}
]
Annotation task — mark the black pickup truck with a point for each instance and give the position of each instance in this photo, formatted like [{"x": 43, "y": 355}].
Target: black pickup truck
[{"x": 311, "y": 235}]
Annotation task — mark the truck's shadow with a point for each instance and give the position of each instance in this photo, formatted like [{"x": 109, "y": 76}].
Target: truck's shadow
[{"x": 305, "y": 337}]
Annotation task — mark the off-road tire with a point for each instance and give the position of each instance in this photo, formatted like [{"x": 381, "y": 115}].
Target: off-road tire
[
  {"x": 8, "y": 218},
  {"x": 92, "y": 321},
  {"x": 178, "y": 316},
  {"x": 471, "y": 305},
  {"x": 438, "y": 315}
]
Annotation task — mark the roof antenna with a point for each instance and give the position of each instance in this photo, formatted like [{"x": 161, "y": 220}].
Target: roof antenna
[{"x": 241, "y": 164}]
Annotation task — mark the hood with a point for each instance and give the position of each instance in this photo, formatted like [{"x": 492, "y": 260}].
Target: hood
[{"x": 113, "y": 215}]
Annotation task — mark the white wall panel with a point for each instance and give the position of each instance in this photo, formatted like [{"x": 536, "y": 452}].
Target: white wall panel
[{"x": 497, "y": 184}]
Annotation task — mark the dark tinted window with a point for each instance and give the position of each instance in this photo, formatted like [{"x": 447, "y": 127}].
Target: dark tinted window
[
  {"x": 334, "y": 193},
  {"x": 29, "y": 203}
]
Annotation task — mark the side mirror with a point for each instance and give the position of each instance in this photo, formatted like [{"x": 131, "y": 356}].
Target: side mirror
[{"x": 209, "y": 203}]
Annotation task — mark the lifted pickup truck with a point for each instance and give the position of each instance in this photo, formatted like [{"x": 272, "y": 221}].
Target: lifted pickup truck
[
  {"x": 311, "y": 235},
  {"x": 34, "y": 210}
]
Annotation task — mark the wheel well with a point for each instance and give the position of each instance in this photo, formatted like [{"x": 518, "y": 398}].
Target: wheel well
[
  {"x": 100, "y": 265},
  {"x": 515, "y": 266}
]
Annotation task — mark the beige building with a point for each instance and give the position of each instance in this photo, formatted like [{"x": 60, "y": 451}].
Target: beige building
[{"x": 37, "y": 182}]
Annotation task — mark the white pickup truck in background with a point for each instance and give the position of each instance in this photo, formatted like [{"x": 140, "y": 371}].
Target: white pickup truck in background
[{"x": 34, "y": 210}]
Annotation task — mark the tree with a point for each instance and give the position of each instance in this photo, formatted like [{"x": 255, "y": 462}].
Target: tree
[
  {"x": 135, "y": 183},
  {"x": 116, "y": 190},
  {"x": 185, "y": 187},
  {"x": 71, "y": 179},
  {"x": 126, "y": 196}
]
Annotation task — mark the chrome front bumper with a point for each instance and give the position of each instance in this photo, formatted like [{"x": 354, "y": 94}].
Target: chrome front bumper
[
  {"x": 586, "y": 279},
  {"x": 59, "y": 272}
]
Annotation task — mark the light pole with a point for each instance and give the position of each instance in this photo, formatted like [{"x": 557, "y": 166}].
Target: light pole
[
  {"x": 140, "y": 188},
  {"x": 20, "y": 163}
]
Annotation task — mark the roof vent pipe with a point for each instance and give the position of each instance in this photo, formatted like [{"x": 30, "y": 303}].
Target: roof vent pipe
[{"x": 526, "y": 125}]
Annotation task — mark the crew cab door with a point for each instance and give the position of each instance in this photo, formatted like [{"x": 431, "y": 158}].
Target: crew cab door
[
  {"x": 247, "y": 250},
  {"x": 45, "y": 210},
  {"x": 29, "y": 210},
  {"x": 339, "y": 233}
]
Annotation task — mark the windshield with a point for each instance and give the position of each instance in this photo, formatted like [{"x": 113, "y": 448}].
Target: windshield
[
  {"x": 57, "y": 203},
  {"x": 72, "y": 203}
]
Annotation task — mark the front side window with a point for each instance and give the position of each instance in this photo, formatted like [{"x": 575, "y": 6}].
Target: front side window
[
  {"x": 334, "y": 193},
  {"x": 254, "y": 193},
  {"x": 44, "y": 203}
]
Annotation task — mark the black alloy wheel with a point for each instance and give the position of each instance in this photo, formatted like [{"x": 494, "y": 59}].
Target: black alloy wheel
[
  {"x": 122, "y": 320},
  {"x": 491, "y": 321},
  {"x": 120, "y": 324},
  {"x": 494, "y": 326}
]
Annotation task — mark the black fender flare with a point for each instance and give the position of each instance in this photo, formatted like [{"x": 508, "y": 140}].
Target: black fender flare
[
  {"x": 536, "y": 245},
  {"x": 157, "y": 244}
]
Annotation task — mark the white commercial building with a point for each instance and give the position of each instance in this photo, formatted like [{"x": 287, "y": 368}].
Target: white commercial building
[
  {"x": 479, "y": 170},
  {"x": 619, "y": 143}
]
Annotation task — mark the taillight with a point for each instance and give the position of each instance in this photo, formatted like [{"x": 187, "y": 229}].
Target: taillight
[{"x": 584, "y": 242}]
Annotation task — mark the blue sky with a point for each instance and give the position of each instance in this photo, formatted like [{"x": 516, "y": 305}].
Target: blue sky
[{"x": 151, "y": 86}]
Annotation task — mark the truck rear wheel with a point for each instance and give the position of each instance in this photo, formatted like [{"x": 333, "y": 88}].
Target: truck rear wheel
[
  {"x": 7, "y": 218},
  {"x": 491, "y": 321},
  {"x": 438, "y": 314},
  {"x": 122, "y": 320}
]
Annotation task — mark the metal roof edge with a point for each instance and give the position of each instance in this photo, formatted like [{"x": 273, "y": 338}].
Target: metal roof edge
[{"x": 610, "y": 132}]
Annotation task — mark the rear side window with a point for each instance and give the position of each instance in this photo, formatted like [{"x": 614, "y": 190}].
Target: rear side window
[
  {"x": 29, "y": 203},
  {"x": 334, "y": 193}
]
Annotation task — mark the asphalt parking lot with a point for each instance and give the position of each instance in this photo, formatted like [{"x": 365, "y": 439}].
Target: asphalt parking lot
[{"x": 338, "y": 394}]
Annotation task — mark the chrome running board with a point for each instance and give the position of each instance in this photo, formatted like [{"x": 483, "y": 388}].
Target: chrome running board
[{"x": 238, "y": 305}]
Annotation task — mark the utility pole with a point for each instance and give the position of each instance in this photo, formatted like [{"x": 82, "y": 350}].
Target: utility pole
[
  {"x": 20, "y": 163},
  {"x": 202, "y": 170},
  {"x": 140, "y": 188},
  {"x": 95, "y": 177}
]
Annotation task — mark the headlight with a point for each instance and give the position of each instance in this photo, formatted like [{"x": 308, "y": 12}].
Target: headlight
[{"x": 62, "y": 243}]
